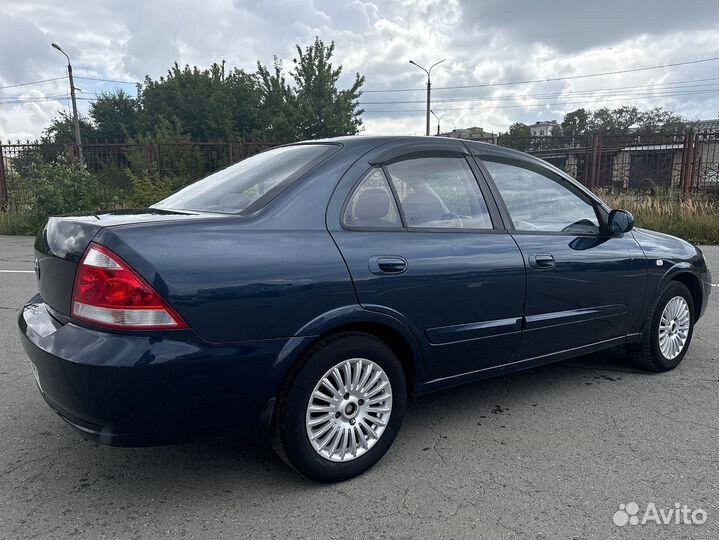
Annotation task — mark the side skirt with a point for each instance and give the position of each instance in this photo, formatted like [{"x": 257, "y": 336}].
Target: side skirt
[{"x": 519, "y": 365}]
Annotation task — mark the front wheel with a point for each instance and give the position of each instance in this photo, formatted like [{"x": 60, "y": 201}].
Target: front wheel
[
  {"x": 340, "y": 410},
  {"x": 669, "y": 330}
]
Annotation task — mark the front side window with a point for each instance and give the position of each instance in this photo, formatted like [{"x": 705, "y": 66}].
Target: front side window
[
  {"x": 372, "y": 204},
  {"x": 439, "y": 192},
  {"x": 539, "y": 200},
  {"x": 238, "y": 186}
]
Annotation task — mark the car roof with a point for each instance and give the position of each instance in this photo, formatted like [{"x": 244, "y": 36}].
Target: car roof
[{"x": 476, "y": 147}]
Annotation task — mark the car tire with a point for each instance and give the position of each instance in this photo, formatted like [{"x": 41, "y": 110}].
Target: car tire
[
  {"x": 672, "y": 315},
  {"x": 306, "y": 406}
]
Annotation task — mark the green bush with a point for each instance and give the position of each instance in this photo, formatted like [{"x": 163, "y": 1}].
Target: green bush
[
  {"x": 148, "y": 187},
  {"x": 51, "y": 189},
  {"x": 64, "y": 188}
]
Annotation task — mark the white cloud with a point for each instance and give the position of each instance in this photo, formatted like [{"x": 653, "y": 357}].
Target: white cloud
[{"x": 485, "y": 42}]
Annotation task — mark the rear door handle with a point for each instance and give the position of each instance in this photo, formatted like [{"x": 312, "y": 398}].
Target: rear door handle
[
  {"x": 541, "y": 261},
  {"x": 387, "y": 265}
]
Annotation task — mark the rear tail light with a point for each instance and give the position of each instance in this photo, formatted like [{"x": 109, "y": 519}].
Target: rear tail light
[{"x": 109, "y": 293}]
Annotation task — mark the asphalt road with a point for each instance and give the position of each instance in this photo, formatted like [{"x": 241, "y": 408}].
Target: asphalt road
[{"x": 547, "y": 453}]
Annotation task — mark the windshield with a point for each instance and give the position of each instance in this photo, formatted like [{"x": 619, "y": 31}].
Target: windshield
[{"x": 239, "y": 186}]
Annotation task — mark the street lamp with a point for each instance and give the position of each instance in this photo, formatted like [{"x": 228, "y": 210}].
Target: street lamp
[
  {"x": 429, "y": 85},
  {"x": 438, "y": 119},
  {"x": 75, "y": 118}
]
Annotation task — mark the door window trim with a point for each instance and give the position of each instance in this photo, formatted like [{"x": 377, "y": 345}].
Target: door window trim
[
  {"x": 357, "y": 184},
  {"x": 495, "y": 216}
]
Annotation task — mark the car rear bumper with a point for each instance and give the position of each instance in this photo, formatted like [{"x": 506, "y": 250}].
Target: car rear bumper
[{"x": 145, "y": 389}]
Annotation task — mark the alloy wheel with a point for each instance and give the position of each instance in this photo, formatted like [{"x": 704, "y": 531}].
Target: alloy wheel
[
  {"x": 674, "y": 327},
  {"x": 349, "y": 409}
]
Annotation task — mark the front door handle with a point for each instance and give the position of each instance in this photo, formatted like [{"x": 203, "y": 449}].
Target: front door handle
[
  {"x": 387, "y": 265},
  {"x": 541, "y": 261}
]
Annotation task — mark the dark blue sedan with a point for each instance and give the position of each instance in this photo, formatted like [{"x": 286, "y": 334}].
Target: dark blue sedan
[{"x": 305, "y": 292}]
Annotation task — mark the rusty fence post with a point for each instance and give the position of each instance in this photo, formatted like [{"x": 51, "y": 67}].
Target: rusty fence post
[
  {"x": 688, "y": 157},
  {"x": 694, "y": 174},
  {"x": 229, "y": 153},
  {"x": 598, "y": 162},
  {"x": 587, "y": 159},
  {"x": 683, "y": 165},
  {"x": 592, "y": 180},
  {"x": 3, "y": 181}
]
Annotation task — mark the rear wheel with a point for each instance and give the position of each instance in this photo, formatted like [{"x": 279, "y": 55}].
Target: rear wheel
[
  {"x": 340, "y": 410},
  {"x": 669, "y": 330}
]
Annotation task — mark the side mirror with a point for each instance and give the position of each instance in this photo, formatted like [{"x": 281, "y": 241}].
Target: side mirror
[{"x": 620, "y": 221}]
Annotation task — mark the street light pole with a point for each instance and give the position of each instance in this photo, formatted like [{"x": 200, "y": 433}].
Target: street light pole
[
  {"x": 75, "y": 118},
  {"x": 429, "y": 86},
  {"x": 438, "y": 119}
]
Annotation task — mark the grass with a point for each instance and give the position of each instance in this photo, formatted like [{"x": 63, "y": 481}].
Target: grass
[
  {"x": 694, "y": 218},
  {"x": 17, "y": 220}
]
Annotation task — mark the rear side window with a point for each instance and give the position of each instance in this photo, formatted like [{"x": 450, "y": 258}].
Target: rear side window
[
  {"x": 439, "y": 192},
  {"x": 240, "y": 186},
  {"x": 372, "y": 204}
]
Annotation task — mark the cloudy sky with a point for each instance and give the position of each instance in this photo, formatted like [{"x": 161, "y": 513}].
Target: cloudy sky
[{"x": 485, "y": 42}]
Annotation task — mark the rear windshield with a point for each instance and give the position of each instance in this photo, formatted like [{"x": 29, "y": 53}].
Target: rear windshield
[{"x": 240, "y": 186}]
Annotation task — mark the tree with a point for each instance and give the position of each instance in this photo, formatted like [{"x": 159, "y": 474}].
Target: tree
[
  {"x": 575, "y": 123},
  {"x": 279, "y": 116},
  {"x": 313, "y": 107},
  {"x": 518, "y": 137},
  {"x": 62, "y": 129},
  {"x": 323, "y": 110},
  {"x": 658, "y": 120},
  {"x": 216, "y": 104},
  {"x": 613, "y": 121},
  {"x": 115, "y": 116},
  {"x": 209, "y": 104}
]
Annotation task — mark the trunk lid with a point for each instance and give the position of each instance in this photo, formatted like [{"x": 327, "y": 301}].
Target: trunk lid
[{"x": 62, "y": 241}]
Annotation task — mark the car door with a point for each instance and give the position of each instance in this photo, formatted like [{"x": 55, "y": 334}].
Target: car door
[
  {"x": 584, "y": 285},
  {"x": 418, "y": 235}
]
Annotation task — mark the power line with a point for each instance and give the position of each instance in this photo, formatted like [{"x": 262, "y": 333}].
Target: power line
[
  {"x": 669, "y": 94},
  {"x": 617, "y": 72},
  {"x": 107, "y": 80},
  {"x": 17, "y": 85},
  {"x": 621, "y": 89},
  {"x": 33, "y": 82},
  {"x": 32, "y": 99}
]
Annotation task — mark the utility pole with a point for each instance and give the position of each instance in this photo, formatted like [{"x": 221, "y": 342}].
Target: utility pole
[
  {"x": 429, "y": 87},
  {"x": 439, "y": 118},
  {"x": 75, "y": 118}
]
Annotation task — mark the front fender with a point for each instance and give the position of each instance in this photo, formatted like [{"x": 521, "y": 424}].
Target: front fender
[{"x": 676, "y": 269}]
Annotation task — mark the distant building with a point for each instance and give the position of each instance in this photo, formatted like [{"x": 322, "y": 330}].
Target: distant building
[
  {"x": 706, "y": 125},
  {"x": 641, "y": 162},
  {"x": 542, "y": 129},
  {"x": 472, "y": 134}
]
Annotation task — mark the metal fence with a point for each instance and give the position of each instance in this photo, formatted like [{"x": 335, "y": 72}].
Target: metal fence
[
  {"x": 111, "y": 161},
  {"x": 680, "y": 162}
]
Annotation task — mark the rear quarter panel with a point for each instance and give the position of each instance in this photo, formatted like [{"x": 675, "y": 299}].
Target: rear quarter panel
[{"x": 234, "y": 281}]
